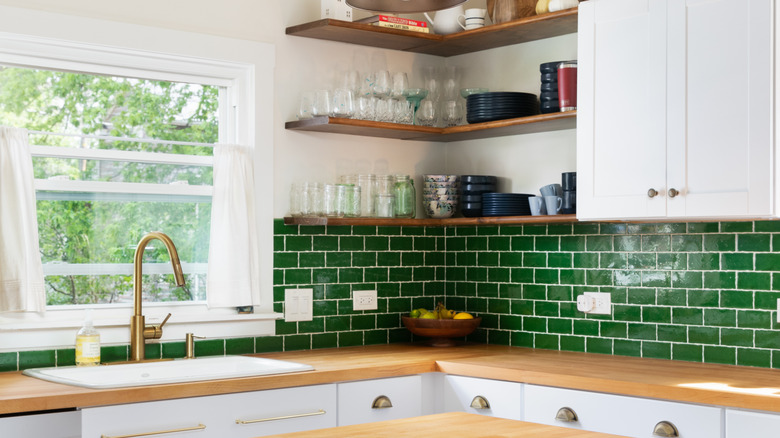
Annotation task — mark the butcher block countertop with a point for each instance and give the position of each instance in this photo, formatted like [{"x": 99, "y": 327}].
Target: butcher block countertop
[
  {"x": 450, "y": 424},
  {"x": 723, "y": 385}
]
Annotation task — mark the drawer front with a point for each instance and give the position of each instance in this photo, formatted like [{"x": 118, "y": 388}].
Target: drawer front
[
  {"x": 55, "y": 425},
  {"x": 504, "y": 399},
  {"x": 261, "y": 413},
  {"x": 357, "y": 400},
  {"x": 248, "y": 414},
  {"x": 741, "y": 424},
  {"x": 620, "y": 415}
]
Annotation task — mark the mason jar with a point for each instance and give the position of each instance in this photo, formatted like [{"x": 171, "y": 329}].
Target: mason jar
[{"x": 405, "y": 200}]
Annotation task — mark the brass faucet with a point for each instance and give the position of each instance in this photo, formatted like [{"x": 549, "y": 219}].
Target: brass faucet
[{"x": 139, "y": 331}]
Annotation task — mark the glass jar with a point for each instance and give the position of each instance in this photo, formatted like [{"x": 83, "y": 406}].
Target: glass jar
[
  {"x": 311, "y": 199},
  {"x": 297, "y": 191},
  {"x": 352, "y": 202},
  {"x": 335, "y": 200},
  {"x": 385, "y": 204},
  {"x": 367, "y": 185},
  {"x": 405, "y": 199}
]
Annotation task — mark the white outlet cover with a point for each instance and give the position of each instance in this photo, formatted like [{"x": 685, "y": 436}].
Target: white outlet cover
[
  {"x": 298, "y": 305},
  {"x": 364, "y": 300},
  {"x": 602, "y": 303}
]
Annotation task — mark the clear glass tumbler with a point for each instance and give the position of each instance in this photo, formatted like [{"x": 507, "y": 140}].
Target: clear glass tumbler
[
  {"x": 385, "y": 205},
  {"x": 367, "y": 185}
]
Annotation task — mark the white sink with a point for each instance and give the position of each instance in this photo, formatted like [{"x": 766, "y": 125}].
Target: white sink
[{"x": 172, "y": 371}]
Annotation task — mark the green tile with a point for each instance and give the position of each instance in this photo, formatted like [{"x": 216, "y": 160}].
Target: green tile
[
  {"x": 754, "y": 280},
  {"x": 598, "y": 277},
  {"x": 546, "y": 276},
  {"x": 766, "y": 300},
  {"x": 687, "y": 316},
  {"x": 598, "y": 345},
  {"x": 586, "y": 228},
  {"x": 720, "y": 242},
  {"x": 767, "y": 339},
  {"x": 210, "y": 347},
  {"x": 612, "y": 228},
  {"x": 534, "y": 324},
  {"x": 691, "y": 353},
  {"x": 281, "y": 228},
  {"x": 559, "y": 260},
  {"x": 485, "y": 259},
  {"x": 740, "y": 299},
  {"x": 720, "y": 317},
  {"x": 768, "y": 262},
  {"x": 722, "y": 355},
  {"x": 549, "y": 342},
  {"x": 703, "y": 298},
  {"x": 767, "y": 226},
  {"x": 559, "y": 293},
  {"x": 114, "y": 353},
  {"x": 641, "y": 228},
  {"x": 375, "y": 243},
  {"x": 628, "y": 243},
  {"x": 572, "y": 276},
  {"x": 298, "y": 243},
  {"x": 338, "y": 230},
  {"x": 535, "y": 260},
  {"x": 522, "y": 307},
  {"x": 401, "y": 243},
  {"x": 657, "y": 314},
  {"x": 656, "y": 350},
  {"x": 672, "y": 333},
  {"x": 66, "y": 357},
  {"x": 641, "y": 261},
  {"x": 627, "y": 313},
  {"x": 613, "y": 260},
  {"x": 703, "y": 261},
  {"x": 8, "y": 361},
  {"x": 586, "y": 260},
  {"x": 687, "y": 279},
  {"x": 153, "y": 351},
  {"x": 625, "y": 347},
  {"x": 703, "y": 335},
  {"x": 547, "y": 243},
  {"x": 753, "y": 242},
  {"x": 297, "y": 342},
  {"x": 535, "y": 229},
  {"x": 541, "y": 308},
  {"x": 522, "y": 339},
  {"x": 499, "y": 243},
  {"x": 736, "y": 337},
  {"x": 656, "y": 279},
  {"x": 569, "y": 243},
  {"x": 736, "y": 227},
  {"x": 640, "y": 296},
  {"x": 687, "y": 242},
  {"x": 374, "y": 337},
  {"x": 599, "y": 243},
  {"x": 628, "y": 278},
  {"x": 269, "y": 344},
  {"x": 672, "y": 261},
  {"x": 671, "y": 297},
  {"x": 656, "y": 243},
  {"x": 560, "y": 326},
  {"x": 316, "y": 325},
  {"x": 572, "y": 343},
  {"x": 703, "y": 227},
  {"x": 476, "y": 243},
  {"x": 612, "y": 329},
  {"x": 736, "y": 261},
  {"x": 240, "y": 346},
  {"x": 311, "y": 260},
  {"x": 363, "y": 230},
  {"x": 754, "y": 358},
  {"x": 286, "y": 260},
  {"x": 754, "y": 319},
  {"x": 324, "y": 340},
  {"x": 363, "y": 259},
  {"x": 173, "y": 350},
  {"x": 559, "y": 229},
  {"x": 720, "y": 280},
  {"x": 586, "y": 327}
]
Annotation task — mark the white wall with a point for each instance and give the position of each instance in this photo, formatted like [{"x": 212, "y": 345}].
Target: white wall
[{"x": 523, "y": 162}]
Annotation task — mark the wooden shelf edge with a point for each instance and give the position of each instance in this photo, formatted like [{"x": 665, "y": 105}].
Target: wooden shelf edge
[
  {"x": 497, "y": 128},
  {"x": 498, "y": 35},
  {"x": 462, "y": 221}
]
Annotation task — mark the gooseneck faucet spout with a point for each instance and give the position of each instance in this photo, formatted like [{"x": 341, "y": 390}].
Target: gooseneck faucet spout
[{"x": 139, "y": 331}]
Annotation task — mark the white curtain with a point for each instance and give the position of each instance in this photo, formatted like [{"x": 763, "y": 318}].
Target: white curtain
[
  {"x": 21, "y": 271},
  {"x": 234, "y": 265}
]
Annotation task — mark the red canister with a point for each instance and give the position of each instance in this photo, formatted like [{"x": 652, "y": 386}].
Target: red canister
[{"x": 567, "y": 85}]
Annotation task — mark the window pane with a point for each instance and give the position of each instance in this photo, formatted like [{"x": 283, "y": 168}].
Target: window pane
[{"x": 120, "y": 171}]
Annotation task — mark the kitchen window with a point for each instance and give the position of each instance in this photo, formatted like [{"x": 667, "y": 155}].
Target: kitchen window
[{"x": 108, "y": 169}]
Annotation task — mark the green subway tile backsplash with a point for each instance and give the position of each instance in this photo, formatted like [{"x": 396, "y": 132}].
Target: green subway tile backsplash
[{"x": 702, "y": 292}]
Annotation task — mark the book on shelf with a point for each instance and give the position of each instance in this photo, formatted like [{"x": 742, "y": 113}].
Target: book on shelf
[{"x": 396, "y": 23}]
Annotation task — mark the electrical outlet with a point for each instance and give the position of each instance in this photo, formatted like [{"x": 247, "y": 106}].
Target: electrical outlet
[
  {"x": 298, "y": 305},
  {"x": 778, "y": 310},
  {"x": 597, "y": 303},
  {"x": 364, "y": 300}
]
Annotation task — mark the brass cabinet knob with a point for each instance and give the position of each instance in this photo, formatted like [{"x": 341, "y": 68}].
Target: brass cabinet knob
[
  {"x": 665, "y": 429},
  {"x": 382, "y": 402},
  {"x": 566, "y": 415},
  {"x": 480, "y": 402},
  {"x": 673, "y": 193},
  {"x": 652, "y": 193}
]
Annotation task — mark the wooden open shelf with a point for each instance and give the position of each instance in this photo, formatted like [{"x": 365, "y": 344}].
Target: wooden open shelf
[
  {"x": 461, "y": 221},
  {"x": 498, "y": 35},
  {"x": 498, "y": 128}
]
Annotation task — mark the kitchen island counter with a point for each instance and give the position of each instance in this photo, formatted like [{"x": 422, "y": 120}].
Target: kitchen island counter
[{"x": 722, "y": 385}]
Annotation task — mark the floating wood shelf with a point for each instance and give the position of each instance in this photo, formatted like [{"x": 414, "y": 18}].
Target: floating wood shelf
[
  {"x": 498, "y": 128},
  {"x": 498, "y": 35},
  {"x": 462, "y": 221}
]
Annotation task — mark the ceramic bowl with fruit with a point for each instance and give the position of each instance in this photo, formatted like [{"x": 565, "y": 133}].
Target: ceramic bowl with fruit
[{"x": 441, "y": 326}]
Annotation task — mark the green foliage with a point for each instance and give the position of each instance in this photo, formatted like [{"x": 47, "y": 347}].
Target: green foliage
[{"x": 89, "y": 230}]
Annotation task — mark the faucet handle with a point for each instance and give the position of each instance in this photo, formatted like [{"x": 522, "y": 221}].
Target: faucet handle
[{"x": 155, "y": 331}]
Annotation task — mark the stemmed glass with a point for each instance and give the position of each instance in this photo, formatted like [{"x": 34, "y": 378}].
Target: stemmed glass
[{"x": 415, "y": 95}]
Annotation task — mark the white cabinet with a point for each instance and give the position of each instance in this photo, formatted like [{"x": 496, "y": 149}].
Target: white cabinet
[
  {"x": 620, "y": 415},
  {"x": 247, "y": 414},
  {"x": 675, "y": 109},
  {"x": 740, "y": 424},
  {"x": 495, "y": 398},
  {"x": 52, "y": 425},
  {"x": 379, "y": 400}
]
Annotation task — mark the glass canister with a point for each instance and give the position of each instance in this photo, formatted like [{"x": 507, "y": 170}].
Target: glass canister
[
  {"x": 297, "y": 192},
  {"x": 405, "y": 199},
  {"x": 367, "y": 185},
  {"x": 384, "y": 184},
  {"x": 352, "y": 204},
  {"x": 385, "y": 205},
  {"x": 311, "y": 199},
  {"x": 335, "y": 200}
]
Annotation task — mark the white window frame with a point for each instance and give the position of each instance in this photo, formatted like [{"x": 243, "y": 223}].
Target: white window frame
[{"x": 55, "y": 41}]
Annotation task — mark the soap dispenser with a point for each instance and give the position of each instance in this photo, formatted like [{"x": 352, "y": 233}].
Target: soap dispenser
[{"x": 88, "y": 343}]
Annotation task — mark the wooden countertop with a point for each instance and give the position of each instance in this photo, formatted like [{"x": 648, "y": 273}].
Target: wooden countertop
[
  {"x": 724, "y": 385},
  {"x": 450, "y": 424}
]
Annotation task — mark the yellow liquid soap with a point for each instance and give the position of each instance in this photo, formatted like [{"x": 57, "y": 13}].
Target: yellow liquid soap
[{"x": 88, "y": 343}]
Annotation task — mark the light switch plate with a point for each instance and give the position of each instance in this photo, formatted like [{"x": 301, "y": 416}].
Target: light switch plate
[
  {"x": 298, "y": 304},
  {"x": 364, "y": 300}
]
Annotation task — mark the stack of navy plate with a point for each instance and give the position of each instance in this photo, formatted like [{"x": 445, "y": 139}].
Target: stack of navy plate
[
  {"x": 472, "y": 188},
  {"x": 549, "y": 95},
  {"x": 486, "y": 107},
  {"x": 506, "y": 204}
]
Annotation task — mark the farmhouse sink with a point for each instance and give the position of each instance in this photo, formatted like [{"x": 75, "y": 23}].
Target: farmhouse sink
[{"x": 172, "y": 371}]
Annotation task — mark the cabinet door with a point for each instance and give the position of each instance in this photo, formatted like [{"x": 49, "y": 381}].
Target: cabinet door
[
  {"x": 621, "y": 109},
  {"x": 619, "y": 415},
  {"x": 741, "y": 424},
  {"x": 55, "y": 425},
  {"x": 720, "y": 107},
  {"x": 503, "y": 399},
  {"x": 357, "y": 401}
]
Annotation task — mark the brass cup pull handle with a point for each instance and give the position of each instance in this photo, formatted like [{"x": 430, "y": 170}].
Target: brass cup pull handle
[
  {"x": 282, "y": 417},
  {"x": 160, "y": 432},
  {"x": 652, "y": 193},
  {"x": 566, "y": 415},
  {"x": 673, "y": 192},
  {"x": 382, "y": 402},
  {"x": 480, "y": 402},
  {"x": 665, "y": 429}
]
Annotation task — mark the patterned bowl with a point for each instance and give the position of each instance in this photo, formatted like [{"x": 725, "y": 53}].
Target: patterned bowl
[
  {"x": 441, "y": 178},
  {"x": 440, "y": 209}
]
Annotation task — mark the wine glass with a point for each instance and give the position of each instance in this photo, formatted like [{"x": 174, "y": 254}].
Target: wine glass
[
  {"x": 400, "y": 83},
  {"x": 415, "y": 95}
]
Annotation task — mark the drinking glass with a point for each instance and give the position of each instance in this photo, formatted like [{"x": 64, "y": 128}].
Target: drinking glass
[
  {"x": 321, "y": 103},
  {"x": 403, "y": 112},
  {"x": 307, "y": 105},
  {"x": 342, "y": 105},
  {"x": 427, "y": 114},
  {"x": 452, "y": 113},
  {"x": 400, "y": 83},
  {"x": 383, "y": 84},
  {"x": 432, "y": 83},
  {"x": 384, "y": 110},
  {"x": 366, "y": 108}
]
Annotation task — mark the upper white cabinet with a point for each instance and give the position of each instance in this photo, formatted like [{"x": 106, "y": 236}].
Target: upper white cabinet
[{"x": 675, "y": 109}]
